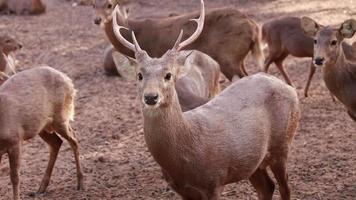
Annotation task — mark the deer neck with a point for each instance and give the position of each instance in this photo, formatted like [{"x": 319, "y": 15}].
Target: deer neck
[
  {"x": 166, "y": 133},
  {"x": 337, "y": 76}
]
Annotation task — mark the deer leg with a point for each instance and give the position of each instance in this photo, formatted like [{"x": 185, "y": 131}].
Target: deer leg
[
  {"x": 14, "y": 160},
  {"x": 267, "y": 63},
  {"x": 310, "y": 77},
  {"x": 279, "y": 64},
  {"x": 279, "y": 170},
  {"x": 67, "y": 133},
  {"x": 263, "y": 184},
  {"x": 54, "y": 142},
  {"x": 243, "y": 69}
]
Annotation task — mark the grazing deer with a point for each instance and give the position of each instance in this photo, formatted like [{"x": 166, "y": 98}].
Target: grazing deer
[
  {"x": 32, "y": 7},
  {"x": 38, "y": 101},
  {"x": 285, "y": 36},
  {"x": 235, "y": 136},
  {"x": 197, "y": 87},
  {"x": 339, "y": 72},
  {"x": 8, "y": 45},
  {"x": 225, "y": 28}
]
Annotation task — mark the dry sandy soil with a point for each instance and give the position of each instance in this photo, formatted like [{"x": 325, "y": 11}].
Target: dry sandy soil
[{"x": 108, "y": 122}]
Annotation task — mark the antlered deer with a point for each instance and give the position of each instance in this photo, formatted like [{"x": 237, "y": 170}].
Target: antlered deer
[
  {"x": 38, "y": 101},
  {"x": 339, "y": 72},
  {"x": 197, "y": 87},
  {"x": 235, "y": 136},
  {"x": 7, "y": 62},
  {"x": 284, "y": 37},
  {"x": 32, "y": 7},
  {"x": 228, "y": 35}
]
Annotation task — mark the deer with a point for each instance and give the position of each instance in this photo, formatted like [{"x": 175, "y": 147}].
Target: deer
[
  {"x": 8, "y": 45},
  {"x": 285, "y": 36},
  {"x": 226, "y": 28},
  {"x": 22, "y": 7},
  {"x": 339, "y": 72},
  {"x": 45, "y": 111},
  {"x": 197, "y": 87},
  {"x": 248, "y": 127}
]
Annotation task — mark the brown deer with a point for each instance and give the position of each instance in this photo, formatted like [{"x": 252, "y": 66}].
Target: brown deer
[
  {"x": 284, "y": 37},
  {"x": 197, "y": 87},
  {"x": 225, "y": 28},
  {"x": 339, "y": 72},
  {"x": 8, "y": 45},
  {"x": 38, "y": 101},
  {"x": 30, "y": 7},
  {"x": 235, "y": 136}
]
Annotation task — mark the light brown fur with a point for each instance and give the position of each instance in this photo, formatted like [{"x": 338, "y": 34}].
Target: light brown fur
[
  {"x": 8, "y": 45},
  {"x": 226, "y": 29},
  {"x": 20, "y": 7},
  {"x": 284, "y": 37},
  {"x": 196, "y": 88},
  {"x": 339, "y": 72},
  {"x": 235, "y": 136},
  {"x": 46, "y": 111}
]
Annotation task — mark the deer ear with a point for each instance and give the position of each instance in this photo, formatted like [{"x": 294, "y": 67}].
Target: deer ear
[
  {"x": 348, "y": 28},
  {"x": 309, "y": 26},
  {"x": 184, "y": 62},
  {"x": 126, "y": 66}
]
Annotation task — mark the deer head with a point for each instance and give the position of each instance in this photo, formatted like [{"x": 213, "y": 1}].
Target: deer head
[
  {"x": 8, "y": 44},
  {"x": 104, "y": 10},
  {"x": 157, "y": 76},
  {"x": 327, "y": 40}
]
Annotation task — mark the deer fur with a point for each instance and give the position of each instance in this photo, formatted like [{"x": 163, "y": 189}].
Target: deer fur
[
  {"x": 284, "y": 37},
  {"x": 20, "y": 7},
  {"x": 225, "y": 28},
  {"x": 109, "y": 64},
  {"x": 237, "y": 135},
  {"x": 196, "y": 88},
  {"x": 47, "y": 110},
  {"x": 8, "y": 45},
  {"x": 339, "y": 72}
]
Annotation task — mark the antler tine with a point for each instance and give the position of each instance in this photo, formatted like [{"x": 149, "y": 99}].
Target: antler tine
[
  {"x": 117, "y": 32},
  {"x": 137, "y": 46},
  {"x": 198, "y": 31}
]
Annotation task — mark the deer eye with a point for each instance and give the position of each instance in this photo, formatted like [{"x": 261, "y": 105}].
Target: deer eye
[
  {"x": 109, "y": 6},
  {"x": 315, "y": 41},
  {"x": 168, "y": 77},
  {"x": 139, "y": 76},
  {"x": 333, "y": 43}
]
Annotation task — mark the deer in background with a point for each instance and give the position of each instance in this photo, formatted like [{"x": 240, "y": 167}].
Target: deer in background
[
  {"x": 226, "y": 28},
  {"x": 285, "y": 36},
  {"x": 235, "y": 136},
  {"x": 339, "y": 72},
  {"x": 47, "y": 111},
  {"x": 32, "y": 7},
  {"x": 8, "y": 45}
]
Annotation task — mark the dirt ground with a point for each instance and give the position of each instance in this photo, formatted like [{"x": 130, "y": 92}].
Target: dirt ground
[{"x": 114, "y": 156}]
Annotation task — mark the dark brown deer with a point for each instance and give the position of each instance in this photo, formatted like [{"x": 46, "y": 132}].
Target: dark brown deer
[
  {"x": 284, "y": 37},
  {"x": 225, "y": 28},
  {"x": 339, "y": 72},
  {"x": 235, "y": 136}
]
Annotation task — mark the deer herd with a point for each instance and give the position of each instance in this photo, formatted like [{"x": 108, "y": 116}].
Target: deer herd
[{"x": 201, "y": 137}]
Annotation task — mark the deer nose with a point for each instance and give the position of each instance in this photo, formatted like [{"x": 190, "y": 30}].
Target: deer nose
[
  {"x": 97, "y": 20},
  {"x": 151, "y": 99},
  {"x": 319, "y": 61}
]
